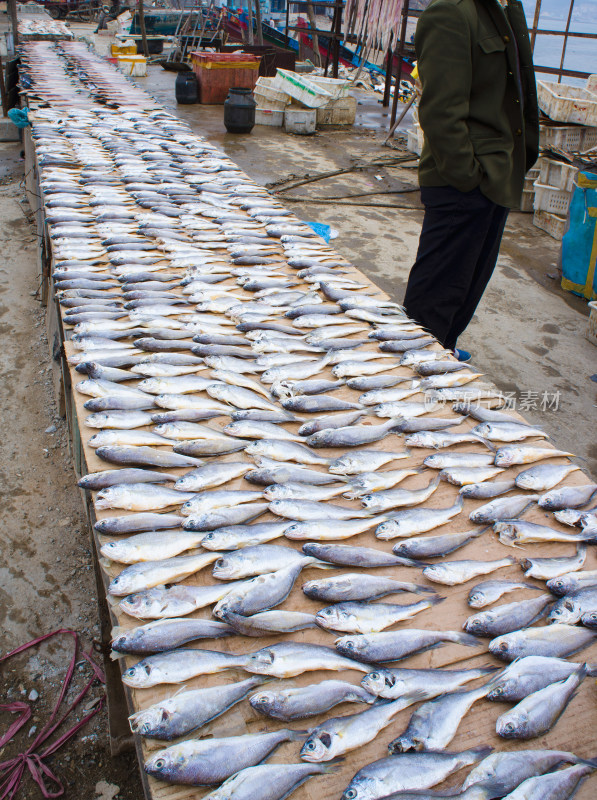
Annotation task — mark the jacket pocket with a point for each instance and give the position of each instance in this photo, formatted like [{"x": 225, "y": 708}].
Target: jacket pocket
[
  {"x": 492, "y": 44},
  {"x": 485, "y": 145}
]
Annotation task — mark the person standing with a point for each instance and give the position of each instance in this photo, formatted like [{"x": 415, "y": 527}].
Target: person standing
[{"x": 480, "y": 120}]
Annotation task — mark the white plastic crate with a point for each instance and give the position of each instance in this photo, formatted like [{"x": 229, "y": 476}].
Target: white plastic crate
[
  {"x": 414, "y": 140},
  {"x": 552, "y": 199},
  {"x": 300, "y": 120},
  {"x": 557, "y": 174},
  {"x": 570, "y": 138},
  {"x": 530, "y": 178},
  {"x": 342, "y": 111},
  {"x": 552, "y": 224},
  {"x": 567, "y": 103},
  {"x": 592, "y": 328},
  {"x": 337, "y": 87},
  {"x": 269, "y": 116},
  {"x": 266, "y": 97},
  {"x": 301, "y": 89}
]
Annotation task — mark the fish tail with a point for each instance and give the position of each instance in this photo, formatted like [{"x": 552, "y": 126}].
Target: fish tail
[
  {"x": 330, "y": 767},
  {"x": 436, "y": 599},
  {"x": 419, "y": 589},
  {"x": 478, "y": 753},
  {"x": 591, "y": 670},
  {"x": 296, "y": 736},
  {"x": 464, "y": 638}
]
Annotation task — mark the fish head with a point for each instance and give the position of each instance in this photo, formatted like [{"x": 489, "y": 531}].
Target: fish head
[
  {"x": 506, "y": 456},
  {"x": 318, "y": 747},
  {"x": 261, "y": 661},
  {"x": 403, "y": 744},
  {"x": 476, "y": 625},
  {"x": 224, "y": 569},
  {"x": 567, "y": 610},
  {"x": 140, "y": 675},
  {"x": 122, "y": 584},
  {"x": 560, "y": 586},
  {"x": 264, "y": 702},
  {"x": 348, "y": 646},
  {"x": 477, "y": 599},
  {"x": 589, "y": 620},
  {"x": 512, "y": 725},
  {"x": 295, "y": 532},
  {"x": 379, "y": 682},
  {"x": 361, "y": 788},
  {"x": 330, "y": 617},
  {"x": 165, "y": 764},
  {"x": 149, "y": 720},
  {"x": 501, "y": 647}
]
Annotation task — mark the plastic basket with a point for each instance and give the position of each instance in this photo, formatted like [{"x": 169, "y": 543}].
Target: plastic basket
[
  {"x": 567, "y": 103},
  {"x": 302, "y": 89},
  {"x": 570, "y": 138},
  {"x": 552, "y": 199},
  {"x": 300, "y": 120},
  {"x": 269, "y": 116},
  {"x": 530, "y": 178},
  {"x": 527, "y": 203},
  {"x": 218, "y": 72},
  {"x": 335, "y": 86},
  {"x": 552, "y": 224},
  {"x": 265, "y": 97},
  {"x": 557, "y": 174},
  {"x": 342, "y": 111},
  {"x": 592, "y": 328}
]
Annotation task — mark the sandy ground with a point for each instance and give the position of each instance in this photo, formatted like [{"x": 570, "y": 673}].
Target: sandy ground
[{"x": 528, "y": 336}]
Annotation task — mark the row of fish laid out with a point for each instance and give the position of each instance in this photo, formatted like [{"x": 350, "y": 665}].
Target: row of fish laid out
[{"x": 175, "y": 272}]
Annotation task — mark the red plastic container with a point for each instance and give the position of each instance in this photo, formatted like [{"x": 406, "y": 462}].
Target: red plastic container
[{"x": 218, "y": 72}]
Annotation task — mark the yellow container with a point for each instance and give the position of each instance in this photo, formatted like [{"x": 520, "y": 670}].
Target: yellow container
[
  {"x": 124, "y": 49},
  {"x": 135, "y": 66}
]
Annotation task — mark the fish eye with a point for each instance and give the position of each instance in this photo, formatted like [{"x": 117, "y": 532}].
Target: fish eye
[
  {"x": 349, "y": 644},
  {"x": 503, "y": 647},
  {"x": 160, "y": 763},
  {"x": 310, "y": 745},
  {"x": 375, "y": 676},
  {"x": 350, "y": 794},
  {"x": 509, "y": 728},
  {"x": 219, "y": 563},
  {"x": 498, "y": 691}
]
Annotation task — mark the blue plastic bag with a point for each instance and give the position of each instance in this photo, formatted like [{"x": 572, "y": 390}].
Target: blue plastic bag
[
  {"x": 579, "y": 245},
  {"x": 18, "y": 117}
]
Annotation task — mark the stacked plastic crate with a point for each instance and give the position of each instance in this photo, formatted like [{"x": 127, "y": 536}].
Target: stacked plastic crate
[{"x": 576, "y": 108}]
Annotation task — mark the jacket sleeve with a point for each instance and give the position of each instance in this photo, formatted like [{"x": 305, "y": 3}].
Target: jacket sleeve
[{"x": 443, "y": 46}]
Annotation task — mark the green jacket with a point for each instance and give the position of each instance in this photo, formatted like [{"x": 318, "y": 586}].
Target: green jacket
[{"x": 478, "y": 109}]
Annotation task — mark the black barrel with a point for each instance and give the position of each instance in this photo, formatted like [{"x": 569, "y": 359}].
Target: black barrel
[
  {"x": 185, "y": 88},
  {"x": 239, "y": 111}
]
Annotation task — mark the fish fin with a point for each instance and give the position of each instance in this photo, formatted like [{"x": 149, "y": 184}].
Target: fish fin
[
  {"x": 466, "y": 639},
  {"x": 113, "y": 601},
  {"x": 419, "y": 589},
  {"x": 591, "y": 670},
  {"x": 488, "y": 444},
  {"x": 116, "y": 656},
  {"x": 297, "y": 736},
  {"x": 106, "y": 563},
  {"x": 537, "y": 588}
]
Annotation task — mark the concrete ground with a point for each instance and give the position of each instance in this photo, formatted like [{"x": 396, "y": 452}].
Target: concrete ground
[{"x": 528, "y": 336}]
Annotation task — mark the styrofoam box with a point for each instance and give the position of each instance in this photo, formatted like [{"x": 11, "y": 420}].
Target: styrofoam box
[
  {"x": 414, "y": 140},
  {"x": 552, "y": 224},
  {"x": 552, "y": 199},
  {"x": 300, "y": 120},
  {"x": 342, "y": 111},
  {"x": 301, "y": 89},
  {"x": 567, "y": 103},
  {"x": 557, "y": 174},
  {"x": 270, "y": 98},
  {"x": 269, "y": 116},
  {"x": 337, "y": 87},
  {"x": 570, "y": 138}
]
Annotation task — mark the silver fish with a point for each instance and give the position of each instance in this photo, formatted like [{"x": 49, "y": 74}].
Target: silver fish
[
  {"x": 111, "y": 477},
  {"x": 172, "y": 601},
  {"x": 224, "y": 517},
  {"x": 120, "y": 438},
  {"x": 260, "y": 593},
  {"x": 518, "y": 532},
  {"x": 362, "y": 617},
  {"x": 124, "y": 420},
  {"x": 507, "y": 431},
  {"x": 307, "y": 701},
  {"x": 358, "y": 586},
  {"x": 507, "y": 618},
  {"x": 395, "y": 498},
  {"x": 165, "y": 634},
  {"x": 525, "y": 454},
  {"x": 350, "y": 556},
  {"x": 464, "y": 476},
  {"x": 184, "y": 712},
  {"x": 259, "y": 560},
  {"x": 435, "y": 546},
  {"x": 281, "y": 780},
  {"x": 288, "y": 659},
  {"x": 567, "y": 497},
  {"x": 301, "y": 491},
  {"x": 505, "y": 508},
  {"x": 148, "y": 574},
  {"x": 132, "y": 523},
  {"x": 177, "y": 666},
  {"x": 268, "y": 622},
  {"x": 150, "y": 546},
  {"x": 329, "y": 421},
  {"x": 571, "y": 582},
  {"x": 509, "y": 769},
  {"x": 487, "y": 592},
  {"x": 408, "y": 772},
  {"x": 204, "y": 762},
  {"x": 139, "y": 497},
  {"x": 351, "y": 436},
  {"x": 543, "y": 477},
  {"x": 547, "y": 568},
  {"x": 459, "y": 460},
  {"x": 573, "y": 607},
  {"x": 554, "y": 785},
  {"x": 486, "y": 490},
  {"x": 234, "y": 537},
  {"x": 558, "y": 641},
  {"x": 529, "y": 674},
  {"x": 339, "y": 735},
  {"x": 538, "y": 712},
  {"x": 206, "y": 502},
  {"x": 360, "y": 461},
  {"x": 326, "y": 528},
  {"x": 146, "y": 457},
  {"x": 211, "y": 475},
  {"x": 435, "y": 723},
  {"x": 392, "y": 683},
  {"x": 452, "y": 573},
  {"x": 396, "y": 645},
  {"x": 280, "y": 450},
  {"x": 305, "y": 510},
  {"x": 417, "y": 520}
]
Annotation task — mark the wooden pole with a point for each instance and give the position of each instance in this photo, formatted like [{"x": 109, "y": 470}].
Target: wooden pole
[
  {"x": 14, "y": 21},
  {"x": 336, "y": 43},
  {"x": 142, "y": 27},
  {"x": 400, "y": 118},
  {"x": 535, "y": 24},
  {"x": 250, "y": 38},
  {"x": 565, "y": 45},
  {"x": 314, "y": 34},
  {"x": 389, "y": 70},
  {"x": 258, "y": 21},
  {"x": 405, "y": 9}
]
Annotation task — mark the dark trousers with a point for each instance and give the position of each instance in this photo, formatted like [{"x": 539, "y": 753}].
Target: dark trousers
[{"x": 458, "y": 249}]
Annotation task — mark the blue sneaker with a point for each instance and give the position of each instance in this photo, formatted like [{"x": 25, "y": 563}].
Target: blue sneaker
[{"x": 462, "y": 355}]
